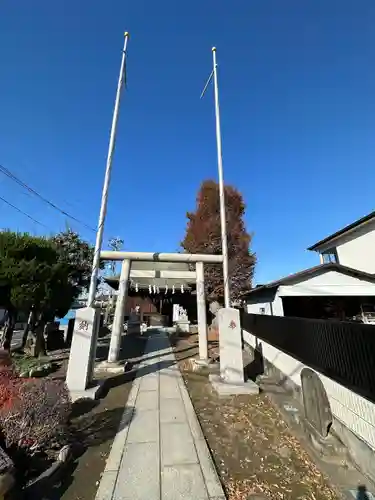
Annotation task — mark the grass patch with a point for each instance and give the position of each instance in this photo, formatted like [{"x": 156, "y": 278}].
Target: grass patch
[{"x": 25, "y": 363}]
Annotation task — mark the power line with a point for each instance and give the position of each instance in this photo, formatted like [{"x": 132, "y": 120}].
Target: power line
[
  {"x": 22, "y": 212},
  {"x": 16, "y": 179}
]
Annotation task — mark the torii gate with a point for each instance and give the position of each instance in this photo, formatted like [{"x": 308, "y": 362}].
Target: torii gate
[
  {"x": 127, "y": 258},
  {"x": 83, "y": 350}
]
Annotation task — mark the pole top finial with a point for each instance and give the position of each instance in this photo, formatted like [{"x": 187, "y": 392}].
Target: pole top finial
[
  {"x": 213, "y": 49},
  {"x": 126, "y": 33}
]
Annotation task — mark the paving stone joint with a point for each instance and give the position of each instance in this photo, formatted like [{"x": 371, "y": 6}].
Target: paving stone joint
[{"x": 159, "y": 451}]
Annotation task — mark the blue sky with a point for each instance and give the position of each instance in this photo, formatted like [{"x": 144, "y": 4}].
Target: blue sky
[{"x": 297, "y": 84}]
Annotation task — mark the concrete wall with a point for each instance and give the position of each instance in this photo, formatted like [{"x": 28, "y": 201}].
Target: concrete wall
[
  {"x": 354, "y": 416},
  {"x": 259, "y": 308},
  {"x": 268, "y": 300}
]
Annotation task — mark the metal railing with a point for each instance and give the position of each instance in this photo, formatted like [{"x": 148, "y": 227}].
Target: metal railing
[{"x": 343, "y": 351}]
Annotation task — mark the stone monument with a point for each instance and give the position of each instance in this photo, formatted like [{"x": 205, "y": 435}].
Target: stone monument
[
  {"x": 232, "y": 376},
  {"x": 176, "y": 312},
  {"x": 79, "y": 377},
  {"x": 134, "y": 322},
  {"x": 183, "y": 323}
]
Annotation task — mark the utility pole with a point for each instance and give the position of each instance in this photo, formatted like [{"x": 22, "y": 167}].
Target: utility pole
[
  {"x": 114, "y": 244},
  {"x": 224, "y": 239},
  {"x": 107, "y": 179}
]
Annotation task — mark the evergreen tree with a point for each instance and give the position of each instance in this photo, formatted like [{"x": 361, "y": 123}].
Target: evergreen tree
[{"x": 41, "y": 277}]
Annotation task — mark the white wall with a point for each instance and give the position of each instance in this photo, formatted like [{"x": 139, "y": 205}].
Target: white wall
[
  {"x": 269, "y": 301},
  {"x": 257, "y": 307},
  {"x": 329, "y": 283},
  {"x": 357, "y": 249},
  {"x": 355, "y": 412}
]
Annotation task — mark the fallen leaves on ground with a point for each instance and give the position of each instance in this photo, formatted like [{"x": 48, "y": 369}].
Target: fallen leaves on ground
[{"x": 255, "y": 454}]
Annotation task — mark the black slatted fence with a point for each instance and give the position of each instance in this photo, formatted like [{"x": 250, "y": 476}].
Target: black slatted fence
[{"x": 343, "y": 351}]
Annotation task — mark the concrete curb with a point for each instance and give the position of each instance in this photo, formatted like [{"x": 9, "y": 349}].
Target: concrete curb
[
  {"x": 50, "y": 476},
  {"x": 109, "y": 477},
  {"x": 210, "y": 475}
]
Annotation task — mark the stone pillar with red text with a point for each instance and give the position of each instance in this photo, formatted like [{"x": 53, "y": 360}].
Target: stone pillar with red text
[{"x": 230, "y": 340}]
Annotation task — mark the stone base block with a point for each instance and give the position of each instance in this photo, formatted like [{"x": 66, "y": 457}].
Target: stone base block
[
  {"x": 200, "y": 365},
  {"x": 183, "y": 326},
  {"x": 205, "y": 366},
  {"x": 134, "y": 329},
  {"x": 224, "y": 388},
  {"x": 93, "y": 392},
  {"x": 202, "y": 362},
  {"x": 115, "y": 368}
]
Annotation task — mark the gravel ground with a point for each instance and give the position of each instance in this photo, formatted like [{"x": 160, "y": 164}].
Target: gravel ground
[{"x": 255, "y": 453}]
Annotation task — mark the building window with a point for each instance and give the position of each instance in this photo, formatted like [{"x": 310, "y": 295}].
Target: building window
[{"x": 330, "y": 256}]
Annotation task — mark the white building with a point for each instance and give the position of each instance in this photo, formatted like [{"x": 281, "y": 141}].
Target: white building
[
  {"x": 353, "y": 246},
  {"x": 342, "y": 286}
]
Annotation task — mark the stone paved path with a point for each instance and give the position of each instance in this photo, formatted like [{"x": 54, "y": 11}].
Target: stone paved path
[{"x": 159, "y": 452}]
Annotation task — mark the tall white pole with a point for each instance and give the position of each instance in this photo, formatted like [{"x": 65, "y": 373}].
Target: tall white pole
[
  {"x": 224, "y": 241},
  {"x": 107, "y": 179}
]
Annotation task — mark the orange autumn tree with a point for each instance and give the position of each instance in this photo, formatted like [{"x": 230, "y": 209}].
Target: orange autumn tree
[{"x": 203, "y": 235}]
